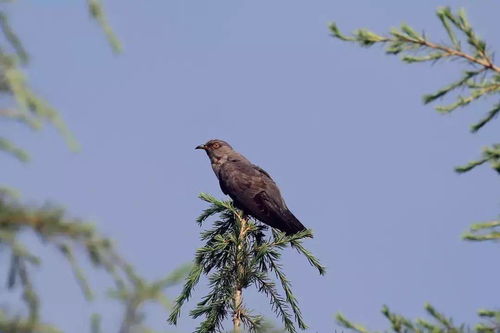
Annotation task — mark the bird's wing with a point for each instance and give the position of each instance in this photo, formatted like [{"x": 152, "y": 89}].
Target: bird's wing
[
  {"x": 222, "y": 184},
  {"x": 253, "y": 190},
  {"x": 269, "y": 199},
  {"x": 262, "y": 171}
]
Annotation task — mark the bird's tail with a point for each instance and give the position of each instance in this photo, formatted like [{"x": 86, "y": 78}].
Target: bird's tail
[{"x": 292, "y": 225}]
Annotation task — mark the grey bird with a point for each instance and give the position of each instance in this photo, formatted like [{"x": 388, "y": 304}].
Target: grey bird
[{"x": 251, "y": 188}]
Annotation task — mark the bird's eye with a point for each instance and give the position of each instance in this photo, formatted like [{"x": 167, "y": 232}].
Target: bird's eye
[{"x": 216, "y": 145}]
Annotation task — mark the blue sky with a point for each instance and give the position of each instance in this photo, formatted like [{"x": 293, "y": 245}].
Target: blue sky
[{"x": 341, "y": 129}]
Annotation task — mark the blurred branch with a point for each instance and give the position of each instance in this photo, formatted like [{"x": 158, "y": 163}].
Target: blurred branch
[
  {"x": 30, "y": 109},
  {"x": 483, "y": 231},
  {"x": 16, "y": 324},
  {"x": 49, "y": 223},
  {"x": 141, "y": 292},
  {"x": 97, "y": 12},
  {"x": 51, "y": 226},
  {"x": 438, "y": 323},
  {"x": 68, "y": 236}
]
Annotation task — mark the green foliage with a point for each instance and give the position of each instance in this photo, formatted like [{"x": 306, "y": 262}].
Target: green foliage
[
  {"x": 438, "y": 323},
  {"x": 68, "y": 237},
  {"x": 30, "y": 109},
  {"x": 483, "y": 231},
  {"x": 479, "y": 81},
  {"x": 415, "y": 47},
  {"x": 12, "y": 149},
  {"x": 140, "y": 292},
  {"x": 71, "y": 238},
  {"x": 54, "y": 229},
  {"x": 14, "y": 324},
  {"x": 493, "y": 322},
  {"x": 236, "y": 255},
  {"x": 97, "y": 12},
  {"x": 490, "y": 154}
]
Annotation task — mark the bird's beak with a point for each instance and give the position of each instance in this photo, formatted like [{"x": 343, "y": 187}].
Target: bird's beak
[{"x": 201, "y": 147}]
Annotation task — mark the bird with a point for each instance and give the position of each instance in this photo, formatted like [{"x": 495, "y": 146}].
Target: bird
[{"x": 250, "y": 187}]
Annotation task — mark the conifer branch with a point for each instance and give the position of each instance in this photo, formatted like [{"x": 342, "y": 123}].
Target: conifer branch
[
  {"x": 438, "y": 323},
  {"x": 346, "y": 323},
  {"x": 278, "y": 303},
  {"x": 68, "y": 236},
  {"x": 97, "y": 12},
  {"x": 411, "y": 45},
  {"x": 50, "y": 224},
  {"x": 12, "y": 38},
  {"x": 12, "y": 149},
  {"x": 286, "y": 285},
  {"x": 483, "y": 231},
  {"x": 414, "y": 47},
  {"x": 492, "y": 324},
  {"x": 297, "y": 244},
  {"x": 481, "y": 82},
  {"x": 31, "y": 109},
  {"x": 235, "y": 256},
  {"x": 191, "y": 281},
  {"x": 240, "y": 257}
]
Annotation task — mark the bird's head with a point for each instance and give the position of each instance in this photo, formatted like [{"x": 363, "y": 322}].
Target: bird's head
[{"x": 216, "y": 149}]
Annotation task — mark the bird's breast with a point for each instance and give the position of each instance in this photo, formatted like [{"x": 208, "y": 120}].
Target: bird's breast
[{"x": 217, "y": 163}]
